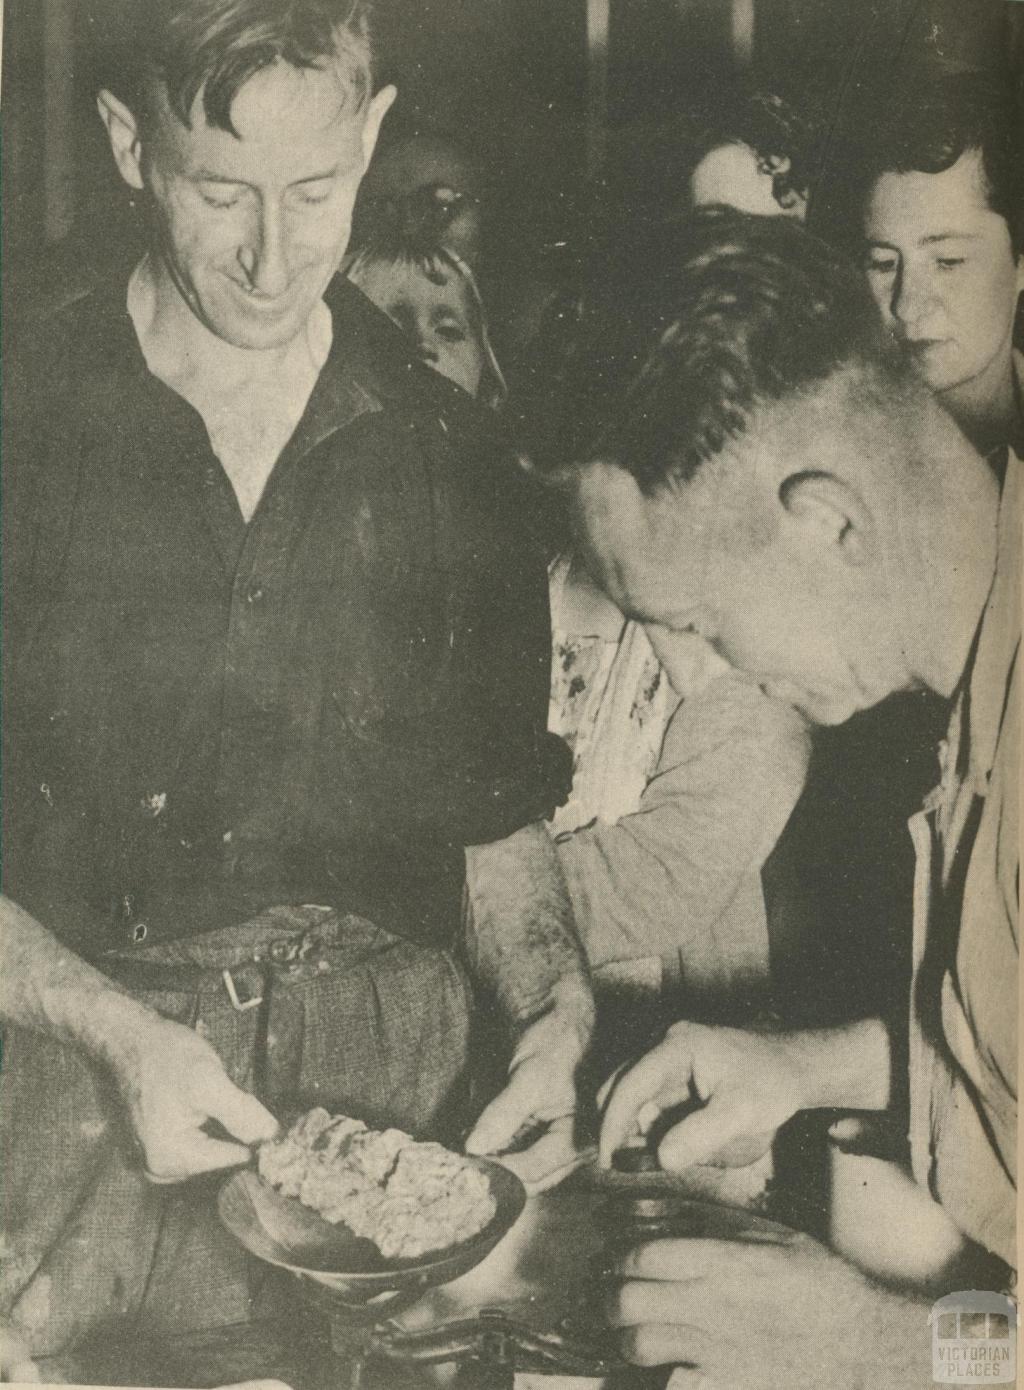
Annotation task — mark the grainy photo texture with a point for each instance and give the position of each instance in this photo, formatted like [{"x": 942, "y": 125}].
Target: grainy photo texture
[{"x": 511, "y": 602}]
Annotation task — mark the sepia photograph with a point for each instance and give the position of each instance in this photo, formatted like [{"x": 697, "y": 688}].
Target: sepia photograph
[{"x": 511, "y": 600}]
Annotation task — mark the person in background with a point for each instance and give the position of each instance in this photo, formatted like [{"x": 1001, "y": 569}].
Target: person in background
[
  {"x": 275, "y": 684},
  {"x": 756, "y": 463},
  {"x": 431, "y": 294},
  {"x": 942, "y": 180},
  {"x": 751, "y": 153},
  {"x": 425, "y": 176}
]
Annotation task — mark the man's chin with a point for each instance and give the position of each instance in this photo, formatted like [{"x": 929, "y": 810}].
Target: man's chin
[
  {"x": 816, "y": 707},
  {"x": 254, "y": 328},
  {"x": 255, "y": 336}
]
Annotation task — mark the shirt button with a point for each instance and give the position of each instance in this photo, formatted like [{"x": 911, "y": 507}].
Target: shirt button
[
  {"x": 254, "y": 593},
  {"x": 139, "y": 933}
]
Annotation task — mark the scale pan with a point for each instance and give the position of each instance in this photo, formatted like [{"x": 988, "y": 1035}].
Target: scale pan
[{"x": 283, "y": 1232}]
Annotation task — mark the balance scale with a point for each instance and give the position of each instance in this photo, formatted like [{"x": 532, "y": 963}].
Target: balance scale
[{"x": 359, "y": 1293}]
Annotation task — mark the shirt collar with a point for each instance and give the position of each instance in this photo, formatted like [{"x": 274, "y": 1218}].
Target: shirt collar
[
  {"x": 367, "y": 364},
  {"x": 998, "y": 638},
  {"x": 580, "y": 608}
]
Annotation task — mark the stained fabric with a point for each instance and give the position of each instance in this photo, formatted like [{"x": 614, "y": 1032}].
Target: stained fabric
[{"x": 205, "y": 718}]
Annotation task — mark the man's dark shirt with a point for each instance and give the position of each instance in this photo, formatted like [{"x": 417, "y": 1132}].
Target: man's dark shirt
[{"x": 203, "y": 717}]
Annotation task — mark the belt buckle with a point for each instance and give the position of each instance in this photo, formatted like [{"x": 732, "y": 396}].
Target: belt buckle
[{"x": 240, "y": 1005}]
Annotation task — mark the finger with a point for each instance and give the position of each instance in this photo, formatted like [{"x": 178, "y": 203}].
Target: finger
[
  {"x": 22, "y": 1373},
  {"x": 643, "y": 1301},
  {"x": 240, "y": 1112},
  {"x": 606, "y": 1087},
  {"x": 706, "y": 1136},
  {"x": 662, "y": 1344},
  {"x": 848, "y": 1130},
  {"x": 658, "y": 1077},
  {"x": 677, "y": 1260},
  {"x": 550, "y": 1160},
  {"x": 506, "y": 1116},
  {"x": 200, "y": 1155},
  {"x": 257, "y": 1385},
  {"x": 692, "y": 1378}
]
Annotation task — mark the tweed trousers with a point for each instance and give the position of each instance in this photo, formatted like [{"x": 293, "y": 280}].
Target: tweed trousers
[{"x": 304, "y": 1008}]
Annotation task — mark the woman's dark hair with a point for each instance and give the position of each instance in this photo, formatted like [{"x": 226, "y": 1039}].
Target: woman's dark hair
[
  {"x": 929, "y": 125},
  {"x": 215, "y": 46},
  {"x": 770, "y": 126},
  {"x": 679, "y": 333}
]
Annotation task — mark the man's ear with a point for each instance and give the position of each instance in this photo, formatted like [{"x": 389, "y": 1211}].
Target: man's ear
[
  {"x": 825, "y": 511},
  {"x": 123, "y": 134},
  {"x": 375, "y": 113}
]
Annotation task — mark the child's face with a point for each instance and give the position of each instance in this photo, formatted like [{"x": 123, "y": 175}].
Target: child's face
[{"x": 441, "y": 319}]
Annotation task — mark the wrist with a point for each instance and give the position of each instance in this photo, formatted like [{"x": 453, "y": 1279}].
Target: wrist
[
  {"x": 120, "y": 1030},
  {"x": 567, "y": 1007},
  {"x": 845, "y": 1068}
]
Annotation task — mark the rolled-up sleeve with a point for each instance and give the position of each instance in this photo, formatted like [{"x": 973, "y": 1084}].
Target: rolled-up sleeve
[{"x": 664, "y": 881}]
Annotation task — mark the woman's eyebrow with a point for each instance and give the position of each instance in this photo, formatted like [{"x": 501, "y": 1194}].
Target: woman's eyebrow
[
  {"x": 949, "y": 236},
  {"x": 208, "y": 176},
  {"x": 315, "y": 178}
]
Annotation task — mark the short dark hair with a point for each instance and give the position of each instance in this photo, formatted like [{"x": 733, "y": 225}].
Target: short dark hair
[
  {"x": 931, "y": 123},
  {"x": 215, "y": 46},
  {"x": 663, "y": 355}
]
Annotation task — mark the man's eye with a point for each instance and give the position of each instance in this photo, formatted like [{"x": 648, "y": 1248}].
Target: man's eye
[
  {"x": 221, "y": 199},
  {"x": 451, "y": 333},
  {"x": 314, "y": 195},
  {"x": 950, "y": 262},
  {"x": 882, "y": 265}
]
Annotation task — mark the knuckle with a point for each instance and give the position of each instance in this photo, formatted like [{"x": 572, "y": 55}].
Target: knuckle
[
  {"x": 641, "y": 1346},
  {"x": 630, "y": 1302}
]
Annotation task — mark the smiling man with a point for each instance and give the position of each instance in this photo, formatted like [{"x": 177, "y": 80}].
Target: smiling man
[
  {"x": 756, "y": 463},
  {"x": 943, "y": 225},
  {"x": 275, "y": 690}
]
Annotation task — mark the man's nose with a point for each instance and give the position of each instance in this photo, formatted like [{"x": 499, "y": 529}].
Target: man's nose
[
  {"x": 426, "y": 349},
  {"x": 913, "y": 297},
  {"x": 263, "y": 257}
]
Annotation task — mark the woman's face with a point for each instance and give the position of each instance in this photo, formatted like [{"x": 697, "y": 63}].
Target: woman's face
[
  {"x": 733, "y": 176},
  {"x": 441, "y": 318},
  {"x": 943, "y": 272}
]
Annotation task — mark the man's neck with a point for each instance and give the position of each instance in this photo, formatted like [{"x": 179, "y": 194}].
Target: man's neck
[
  {"x": 987, "y": 408},
  {"x": 950, "y": 564}
]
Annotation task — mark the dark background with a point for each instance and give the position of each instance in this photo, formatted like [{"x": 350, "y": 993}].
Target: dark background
[{"x": 508, "y": 78}]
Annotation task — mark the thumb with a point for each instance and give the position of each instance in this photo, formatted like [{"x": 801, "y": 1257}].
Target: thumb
[
  {"x": 240, "y": 1113},
  {"x": 258, "y": 1385},
  {"x": 502, "y": 1120},
  {"x": 196, "y": 1155}
]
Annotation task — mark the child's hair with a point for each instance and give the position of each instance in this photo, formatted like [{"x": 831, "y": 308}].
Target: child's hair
[{"x": 414, "y": 239}]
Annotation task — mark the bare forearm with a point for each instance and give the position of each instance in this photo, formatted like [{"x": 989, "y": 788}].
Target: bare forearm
[
  {"x": 521, "y": 936},
  {"x": 47, "y": 988}
]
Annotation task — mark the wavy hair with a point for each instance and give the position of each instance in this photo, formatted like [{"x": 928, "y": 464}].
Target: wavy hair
[{"x": 679, "y": 334}]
